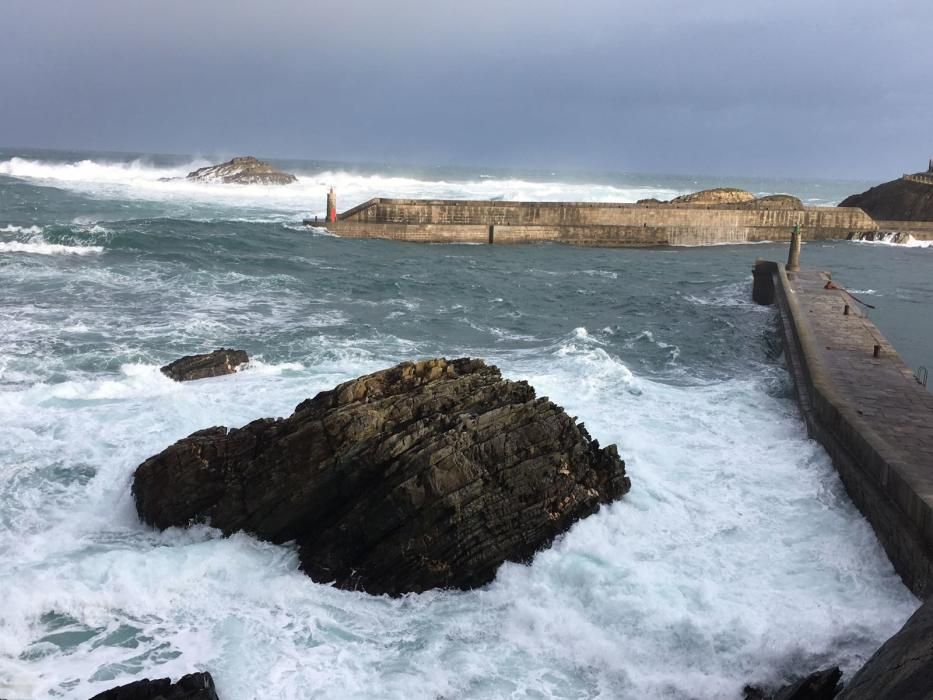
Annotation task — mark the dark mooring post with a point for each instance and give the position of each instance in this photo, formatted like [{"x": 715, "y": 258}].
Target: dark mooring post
[
  {"x": 332, "y": 206},
  {"x": 793, "y": 257}
]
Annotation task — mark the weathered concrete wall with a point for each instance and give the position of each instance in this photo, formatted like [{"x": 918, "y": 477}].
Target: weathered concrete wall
[
  {"x": 875, "y": 421},
  {"x": 591, "y": 223}
]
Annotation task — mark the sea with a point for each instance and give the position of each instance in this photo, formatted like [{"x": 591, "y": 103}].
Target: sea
[{"x": 736, "y": 558}]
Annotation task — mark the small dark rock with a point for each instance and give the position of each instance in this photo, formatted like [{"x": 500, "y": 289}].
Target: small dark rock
[
  {"x": 194, "y": 686},
  {"x": 212, "y": 364},
  {"x": 425, "y": 475},
  {"x": 821, "y": 685}
]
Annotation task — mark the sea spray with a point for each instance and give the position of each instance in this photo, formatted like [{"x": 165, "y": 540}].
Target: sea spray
[{"x": 736, "y": 557}]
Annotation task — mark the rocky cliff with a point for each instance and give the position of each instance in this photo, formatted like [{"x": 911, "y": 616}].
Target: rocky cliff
[
  {"x": 903, "y": 199},
  {"x": 424, "y": 475},
  {"x": 244, "y": 170}
]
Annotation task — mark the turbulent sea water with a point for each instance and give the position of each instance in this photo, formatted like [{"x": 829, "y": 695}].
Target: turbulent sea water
[{"x": 736, "y": 557}]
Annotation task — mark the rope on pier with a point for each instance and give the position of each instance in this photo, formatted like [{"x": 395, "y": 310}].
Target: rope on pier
[{"x": 832, "y": 285}]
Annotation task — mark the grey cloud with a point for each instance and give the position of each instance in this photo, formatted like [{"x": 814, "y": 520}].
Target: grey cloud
[{"x": 838, "y": 89}]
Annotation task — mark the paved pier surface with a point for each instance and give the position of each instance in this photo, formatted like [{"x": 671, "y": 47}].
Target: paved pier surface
[{"x": 869, "y": 412}]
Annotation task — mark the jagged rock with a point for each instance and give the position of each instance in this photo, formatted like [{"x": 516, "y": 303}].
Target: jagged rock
[
  {"x": 718, "y": 195},
  {"x": 821, "y": 685},
  {"x": 212, "y": 364},
  {"x": 425, "y": 475},
  {"x": 244, "y": 170},
  {"x": 902, "y": 668},
  {"x": 903, "y": 199},
  {"x": 194, "y": 686}
]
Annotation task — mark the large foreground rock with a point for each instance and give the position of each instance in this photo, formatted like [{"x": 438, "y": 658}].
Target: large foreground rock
[
  {"x": 194, "y": 686},
  {"x": 211, "y": 364},
  {"x": 425, "y": 475},
  {"x": 244, "y": 170},
  {"x": 902, "y": 669}
]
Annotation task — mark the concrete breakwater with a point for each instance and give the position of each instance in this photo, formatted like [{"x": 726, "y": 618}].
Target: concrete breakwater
[
  {"x": 592, "y": 224},
  {"x": 864, "y": 405}
]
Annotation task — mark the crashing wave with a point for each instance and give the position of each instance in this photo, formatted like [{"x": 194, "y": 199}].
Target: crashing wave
[{"x": 901, "y": 238}]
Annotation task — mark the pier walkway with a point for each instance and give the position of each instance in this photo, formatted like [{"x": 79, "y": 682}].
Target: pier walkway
[{"x": 871, "y": 415}]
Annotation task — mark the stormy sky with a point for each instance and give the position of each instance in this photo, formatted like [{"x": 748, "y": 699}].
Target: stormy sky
[{"x": 817, "y": 88}]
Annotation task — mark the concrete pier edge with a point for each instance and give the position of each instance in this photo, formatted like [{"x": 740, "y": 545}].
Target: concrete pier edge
[
  {"x": 589, "y": 223},
  {"x": 880, "y": 484}
]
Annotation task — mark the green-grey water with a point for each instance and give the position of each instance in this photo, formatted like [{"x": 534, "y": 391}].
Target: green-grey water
[{"x": 736, "y": 557}]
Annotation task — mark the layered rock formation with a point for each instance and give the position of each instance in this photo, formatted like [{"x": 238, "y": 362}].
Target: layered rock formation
[
  {"x": 211, "y": 364},
  {"x": 194, "y": 686},
  {"x": 909, "y": 198},
  {"x": 244, "y": 170},
  {"x": 424, "y": 475}
]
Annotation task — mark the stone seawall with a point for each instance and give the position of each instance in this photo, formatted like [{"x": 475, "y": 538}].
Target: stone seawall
[
  {"x": 873, "y": 418},
  {"x": 588, "y": 223}
]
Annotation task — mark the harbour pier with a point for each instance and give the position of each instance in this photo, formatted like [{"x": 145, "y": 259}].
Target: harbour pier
[
  {"x": 865, "y": 406},
  {"x": 643, "y": 224}
]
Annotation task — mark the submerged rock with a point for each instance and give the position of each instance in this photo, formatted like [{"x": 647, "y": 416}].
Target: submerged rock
[
  {"x": 194, "y": 686},
  {"x": 244, "y": 170},
  {"x": 211, "y": 364},
  {"x": 425, "y": 475}
]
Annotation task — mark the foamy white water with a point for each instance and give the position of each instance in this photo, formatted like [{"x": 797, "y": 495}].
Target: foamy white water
[
  {"x": 735, "y": 551},
  {"x": 139, "y": 180},
  {"x": 735, "y": 558}
]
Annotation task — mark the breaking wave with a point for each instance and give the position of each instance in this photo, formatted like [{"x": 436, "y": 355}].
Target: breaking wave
[{"x": 147, "y": 182}]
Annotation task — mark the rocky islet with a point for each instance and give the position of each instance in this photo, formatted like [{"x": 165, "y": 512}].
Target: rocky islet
[{"x": 426, "y": 475}]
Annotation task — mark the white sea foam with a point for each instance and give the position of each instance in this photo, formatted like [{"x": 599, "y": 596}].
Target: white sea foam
[
  {"x": 735, "y": 550},
  {"x": 144, "y": 181},
  {"x": 39, "y": 246},
  {"x": 735, "y": 554},
  {"x": 30, "y": 230},
  {"x": 908, "y": 242}
]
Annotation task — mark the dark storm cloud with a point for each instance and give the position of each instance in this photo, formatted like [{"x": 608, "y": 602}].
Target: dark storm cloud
[{"x": 835, "y": 88}]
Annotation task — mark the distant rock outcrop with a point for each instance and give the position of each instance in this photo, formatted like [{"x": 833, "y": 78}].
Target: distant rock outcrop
[
  {"x": 782, "y": 202},
  {"x": 718, "y": 195},
  {"x": 244, "y": 170},
  {"x": 425, "y": 475},
  {"x": 909, "y": 198},
  {"x": 212, "y": 364},
  {"x": 194, "y": 686}
]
